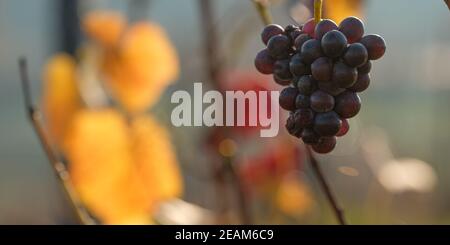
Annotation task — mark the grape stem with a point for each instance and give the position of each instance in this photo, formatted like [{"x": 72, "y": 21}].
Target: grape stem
[
  {"x": 318, "y": 10},
  {"x": 59, "y": 168},
  {"x": 448, "y": 3},
  {"x": 338, "y": 211},
  {"x": 263, "y": 10}
]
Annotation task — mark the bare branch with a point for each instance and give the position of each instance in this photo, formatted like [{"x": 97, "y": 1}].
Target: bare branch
[
  {"x": 214, "y": 63},
  {"x": 448, "y": 3},
  {"x": 57, "y": 165},
  {"x": 263, "y": 10},
  {"x": 338, "y": 211}
]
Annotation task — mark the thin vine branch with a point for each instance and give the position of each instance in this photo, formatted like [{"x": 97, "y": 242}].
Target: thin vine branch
[
  {"x": 338, "y": 210},
  {"x": 263, "y": 10},
  {"x": 448, "y": 3},
  {"x": 215, "y": 69},
  {"x": 61, "y": 172}
]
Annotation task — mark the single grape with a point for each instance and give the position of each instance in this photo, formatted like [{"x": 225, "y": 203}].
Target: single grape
[
  {"x": 302, "y": 101},
  {"x": 264, "y": 62},
  {"x": 376, "y": 46},
  {"x": 321, "y": 101},
  {"x": 292, "y": 127},
  {"x": 366, "y": 68},
  {"x": 310, "y": 137},
  {"x": 287, "y": 98},
  {"x": 344, "y": 128},
  {"x": 356, "y": 55},
  {"x": 344, "y": 75},
  {"x": 311, "y": 50},
  {"x": 323, "y": 27},
  {"x": 281, "y": 70},
  {"x": 334, "y": 44},
  {"x": 353, "y": 29},
  {"x": 309, "y": 27},
  {"x": 348, "y": 104},
  {"x": 327, "y": 124},
  {"x": 322, "y": 69},
  {"x": 300, "y": 40},
  {"x": 303, "y": 117},
  {"x": 331, "y": 88},
  {"x": 270, "y": 31},
  {"x": 298, "y": 67},
  {"x": 280, "y": 81},
  {"x": 279, "y": 46},
  {"x": 306, "y": 85},
  {"x": 325, "y": 145},
  {"x": 361, "y": 84}
]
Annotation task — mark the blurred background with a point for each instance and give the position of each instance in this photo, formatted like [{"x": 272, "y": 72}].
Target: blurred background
[{"x": 392, "y": 168}]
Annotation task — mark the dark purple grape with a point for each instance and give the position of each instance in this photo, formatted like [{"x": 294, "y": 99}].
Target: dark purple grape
[
  {"x": 327, "y": 124},
  {"x": 264, "y": 62},
  {"x": 348, "y": 104},
  {"x": 300, "y": 40},
  {"x": 298, "y": 67},
  {"x": 279, "y": 46},
  {"x": 280, "y": 81},
  {"x": 302, "y": 101},
  {"x": 311, "y": 50},
  {"x": 361, "y": 84},
  {"x": 287, "y": 98},
  {"x": 321, "y": 101},
  {"x": 270, "y": 31},
  {"x": 366, "y": 68},
  {"x": 309, "y": 27},
  {"x": 334, "y": 44},
  {"x": 303, "y": 117},
  {"x": 356, "y": 55},
  {"x": 376, "y": 46},
  {"x": 281, "y": 70},
  {"x": 325, "y": 145},
  {"x": 306, "y": 85},
  {"x": 323, "y": 27},
  {"x": 292, "y": 127},
  {"x": 353, "y": 29},
  {"x": 322, "y": 69},
  {"x": 310, "y": 137},
  {"x": 344, "y": 75},
  {"x": 345, "y": 127},
  {"x": 331, "y": 88}
]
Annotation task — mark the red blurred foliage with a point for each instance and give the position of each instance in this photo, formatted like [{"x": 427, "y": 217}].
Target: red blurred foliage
[{"x": 247, "y": 81}]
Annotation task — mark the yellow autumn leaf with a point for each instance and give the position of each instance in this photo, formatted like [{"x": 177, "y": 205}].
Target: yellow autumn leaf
[
  {"x": 144, "y": 64},
  {"x": 101, "y": 167},
  {"x": 155, "y": 158},
  {"x": 104, "y": 27},
  {"x": 60, "y": 98},
  {"x": 338, "y": 10}
]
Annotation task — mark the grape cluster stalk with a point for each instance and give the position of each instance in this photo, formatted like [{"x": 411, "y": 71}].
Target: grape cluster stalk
[{"x": 323, "y": 66}]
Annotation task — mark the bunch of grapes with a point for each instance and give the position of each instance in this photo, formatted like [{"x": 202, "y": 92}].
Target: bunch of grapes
[{"x": 325, "y": 66}]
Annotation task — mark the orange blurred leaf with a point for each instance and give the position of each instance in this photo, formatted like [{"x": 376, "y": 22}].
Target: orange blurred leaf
[
  {"x": 104, "y": 27},
  {"x": 338, "y": 10},
  {"x": 60, "y": 99},
  {"x": 142, "y": 67}
]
